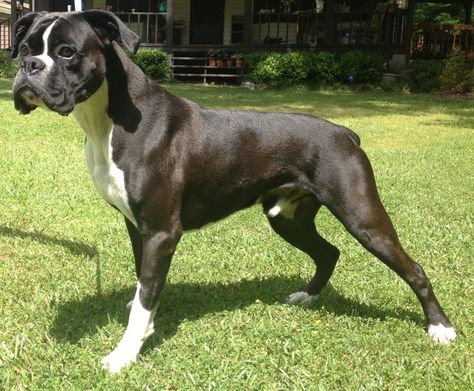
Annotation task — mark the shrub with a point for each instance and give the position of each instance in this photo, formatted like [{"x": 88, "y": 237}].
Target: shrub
[
  {"x": 323, "y": 68},
  {"x": 8, "y": 67},
  {"x": 154, "y": 63},
  {"x": 458, "y": 73},
  {"x": 281, "y": 70},
  {"x": 423, "y": 75},
  {"x": 251, "y": 60},
  {"x": 361, "y": 67}
]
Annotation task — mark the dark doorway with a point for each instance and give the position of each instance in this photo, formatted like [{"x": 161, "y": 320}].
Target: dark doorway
[{"x": 207, "y": 22}]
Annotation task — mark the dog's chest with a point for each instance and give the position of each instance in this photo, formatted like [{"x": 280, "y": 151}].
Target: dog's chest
[{"x": 107, "y": 177}]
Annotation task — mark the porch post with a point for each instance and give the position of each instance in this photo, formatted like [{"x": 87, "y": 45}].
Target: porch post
[
  {"x": 248, "y": 23},
  {"x": 468, "y": 11},
  {"x": 409, "y": 29},
  {"x": 329, "y": 38},
  {"x": 13, "y": 18},
  {"x": 169, "y": 22},
  {"x": 13, "y": 14}
]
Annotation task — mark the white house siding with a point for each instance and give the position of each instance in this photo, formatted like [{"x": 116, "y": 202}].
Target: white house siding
[
  {"x": 273, "y": 30},
  {"x": 232, "y": 8},
  {"x": 182, "y": 11}
]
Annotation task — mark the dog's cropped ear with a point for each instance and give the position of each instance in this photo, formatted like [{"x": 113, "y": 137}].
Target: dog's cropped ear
[
  {"x": 110, "y": 28},
  {"x": 20, "y": 29}
]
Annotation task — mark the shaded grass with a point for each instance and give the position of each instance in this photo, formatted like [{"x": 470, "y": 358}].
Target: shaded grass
[{"x": 67, "y": 273}]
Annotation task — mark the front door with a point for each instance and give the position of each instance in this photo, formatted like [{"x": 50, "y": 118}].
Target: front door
[{"x": 207, "y": 22}]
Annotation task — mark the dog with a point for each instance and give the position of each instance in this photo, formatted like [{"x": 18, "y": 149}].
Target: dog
[{"x": 170, "y": 166}]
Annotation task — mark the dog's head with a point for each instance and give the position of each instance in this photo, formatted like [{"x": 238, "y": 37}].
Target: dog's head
[{"x": 62, "y": 57}]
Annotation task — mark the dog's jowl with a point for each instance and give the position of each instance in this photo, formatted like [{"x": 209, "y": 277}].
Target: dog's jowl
[{"x": 169, "y": 165}]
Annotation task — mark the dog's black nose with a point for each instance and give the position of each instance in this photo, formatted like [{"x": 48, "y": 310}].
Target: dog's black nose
[{"x": 31, "y": 65}]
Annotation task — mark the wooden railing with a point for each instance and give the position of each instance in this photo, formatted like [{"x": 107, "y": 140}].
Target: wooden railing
[
  {"x": 150, "y": 26},
  {"x": 437, "y": 41},
  {"x": 5, "y": 34},
  {"x": 300, "y": 28},
  {"x": 303, "y": 28}
]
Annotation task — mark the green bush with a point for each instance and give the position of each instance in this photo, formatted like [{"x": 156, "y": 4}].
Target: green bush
[
  {"x": 8, "y": 67},
  {"x": 458, "y": 74},
  {"x": 251, "y": 60},
  {"x": 323, "y": 68},
  {"x": 423, "y": 75},
  {"x": 361, "y": 67},
  {"x": 281, "y": 70},
  {"x": 154, "y": 63}
]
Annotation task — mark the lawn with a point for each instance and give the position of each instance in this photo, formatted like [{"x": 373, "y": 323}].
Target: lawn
[{"x": 66, "y": 270}]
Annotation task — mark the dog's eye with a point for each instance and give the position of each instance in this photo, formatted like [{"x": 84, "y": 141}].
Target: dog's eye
[
  {"x": 66, "y": 52},
  {"x": 24, "y": 50}
]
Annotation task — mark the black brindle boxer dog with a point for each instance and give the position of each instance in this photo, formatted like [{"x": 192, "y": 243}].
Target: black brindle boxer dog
[{"x": 170, "y": 165}]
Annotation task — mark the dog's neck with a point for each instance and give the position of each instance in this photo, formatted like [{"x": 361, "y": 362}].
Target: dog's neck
[{"x": 92, "y": 114}]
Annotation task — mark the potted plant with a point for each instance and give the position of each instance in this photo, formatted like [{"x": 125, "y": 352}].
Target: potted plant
[
  {"x": 211, "y": 56},
  {"x": 231, "y": 60},
  {"x": 239, "y": 59},
  {"x": 221, "y": 58}
]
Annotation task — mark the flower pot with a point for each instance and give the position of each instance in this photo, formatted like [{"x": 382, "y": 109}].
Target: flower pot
[
  {"x": 212, "y": 62},
  {"x": 238, "y": 63},
  {"x": 220, "y": 63},
  {"x": 230, "y": 63}
]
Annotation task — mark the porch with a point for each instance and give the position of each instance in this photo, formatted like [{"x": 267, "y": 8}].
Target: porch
[{"x": 249, "y": 25}]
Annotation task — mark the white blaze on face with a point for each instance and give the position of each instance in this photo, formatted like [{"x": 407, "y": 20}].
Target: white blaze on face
[{"x": 49, "y": 62}]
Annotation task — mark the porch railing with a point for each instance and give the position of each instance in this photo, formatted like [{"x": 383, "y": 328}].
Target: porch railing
[
  {"x": 5, "y": 34},
  {"x": 436, "y": 41},
  {"x": 150, "y": 26},
  {"x": 308, "y": 28},
  {"x": 300, "y": 28}
]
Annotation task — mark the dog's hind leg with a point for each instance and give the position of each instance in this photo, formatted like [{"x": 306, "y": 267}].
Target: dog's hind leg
[
  {"x": 354, "y": 200},
  {"x": 299, "y": 230}
]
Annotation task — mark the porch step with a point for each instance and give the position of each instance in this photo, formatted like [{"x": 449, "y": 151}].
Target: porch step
[{"x": 194, "y": 67}]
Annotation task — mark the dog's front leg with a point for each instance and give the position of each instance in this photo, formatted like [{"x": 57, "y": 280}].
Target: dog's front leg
[{"x": 158, "y": 248}]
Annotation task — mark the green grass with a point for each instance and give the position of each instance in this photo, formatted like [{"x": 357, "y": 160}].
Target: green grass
[{"x": 66, "y": 270}]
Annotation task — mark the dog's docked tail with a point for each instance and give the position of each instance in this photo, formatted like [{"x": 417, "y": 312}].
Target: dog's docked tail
[{"x": 354, "y": 136}]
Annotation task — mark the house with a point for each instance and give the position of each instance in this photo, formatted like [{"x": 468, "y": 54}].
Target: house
[
  {"x": 189, "y": 28},
  {"x": 5, "y": 26},
  {"x": 244, "y": 25}
]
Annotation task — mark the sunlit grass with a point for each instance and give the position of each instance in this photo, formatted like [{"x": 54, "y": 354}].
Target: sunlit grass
[{"x": 66, "y": 268}]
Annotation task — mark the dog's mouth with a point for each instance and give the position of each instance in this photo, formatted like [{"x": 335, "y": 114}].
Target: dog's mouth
[{"x": 27, "y": 98}]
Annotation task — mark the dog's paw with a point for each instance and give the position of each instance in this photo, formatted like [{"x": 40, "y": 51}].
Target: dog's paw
[
  {"x": 129, "y": 305},
  {"x": 301, "y": 298},
  {"x": 118, "y": 359},
  {"x": 441, "y": 334}
]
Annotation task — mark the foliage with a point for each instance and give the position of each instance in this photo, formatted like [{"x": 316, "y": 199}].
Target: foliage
[
  {"x": 423, "y": 75},
  {"x": 251, "y": 60},
  {"x": 361, "y": 67},
  {"x": 8, "y": 67},
  {"x": 458, "y": 73},
  {"x": 323, "y": 68},
  {"x": 154, "y": 63},
  {"x": 281, "y": 70},
  {"x": 293, "y": 68},
  {"x": 221, "y": 55},
  {"x": 448, "y": 13}
]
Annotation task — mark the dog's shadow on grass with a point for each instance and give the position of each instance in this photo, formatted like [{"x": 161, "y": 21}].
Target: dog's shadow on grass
[
  {"x": 74, "y": 247},
  {"x": 191, "y": 301}
]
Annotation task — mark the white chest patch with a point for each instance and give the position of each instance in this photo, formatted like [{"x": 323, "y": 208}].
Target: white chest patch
[{"x": 108, "y": 178}]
